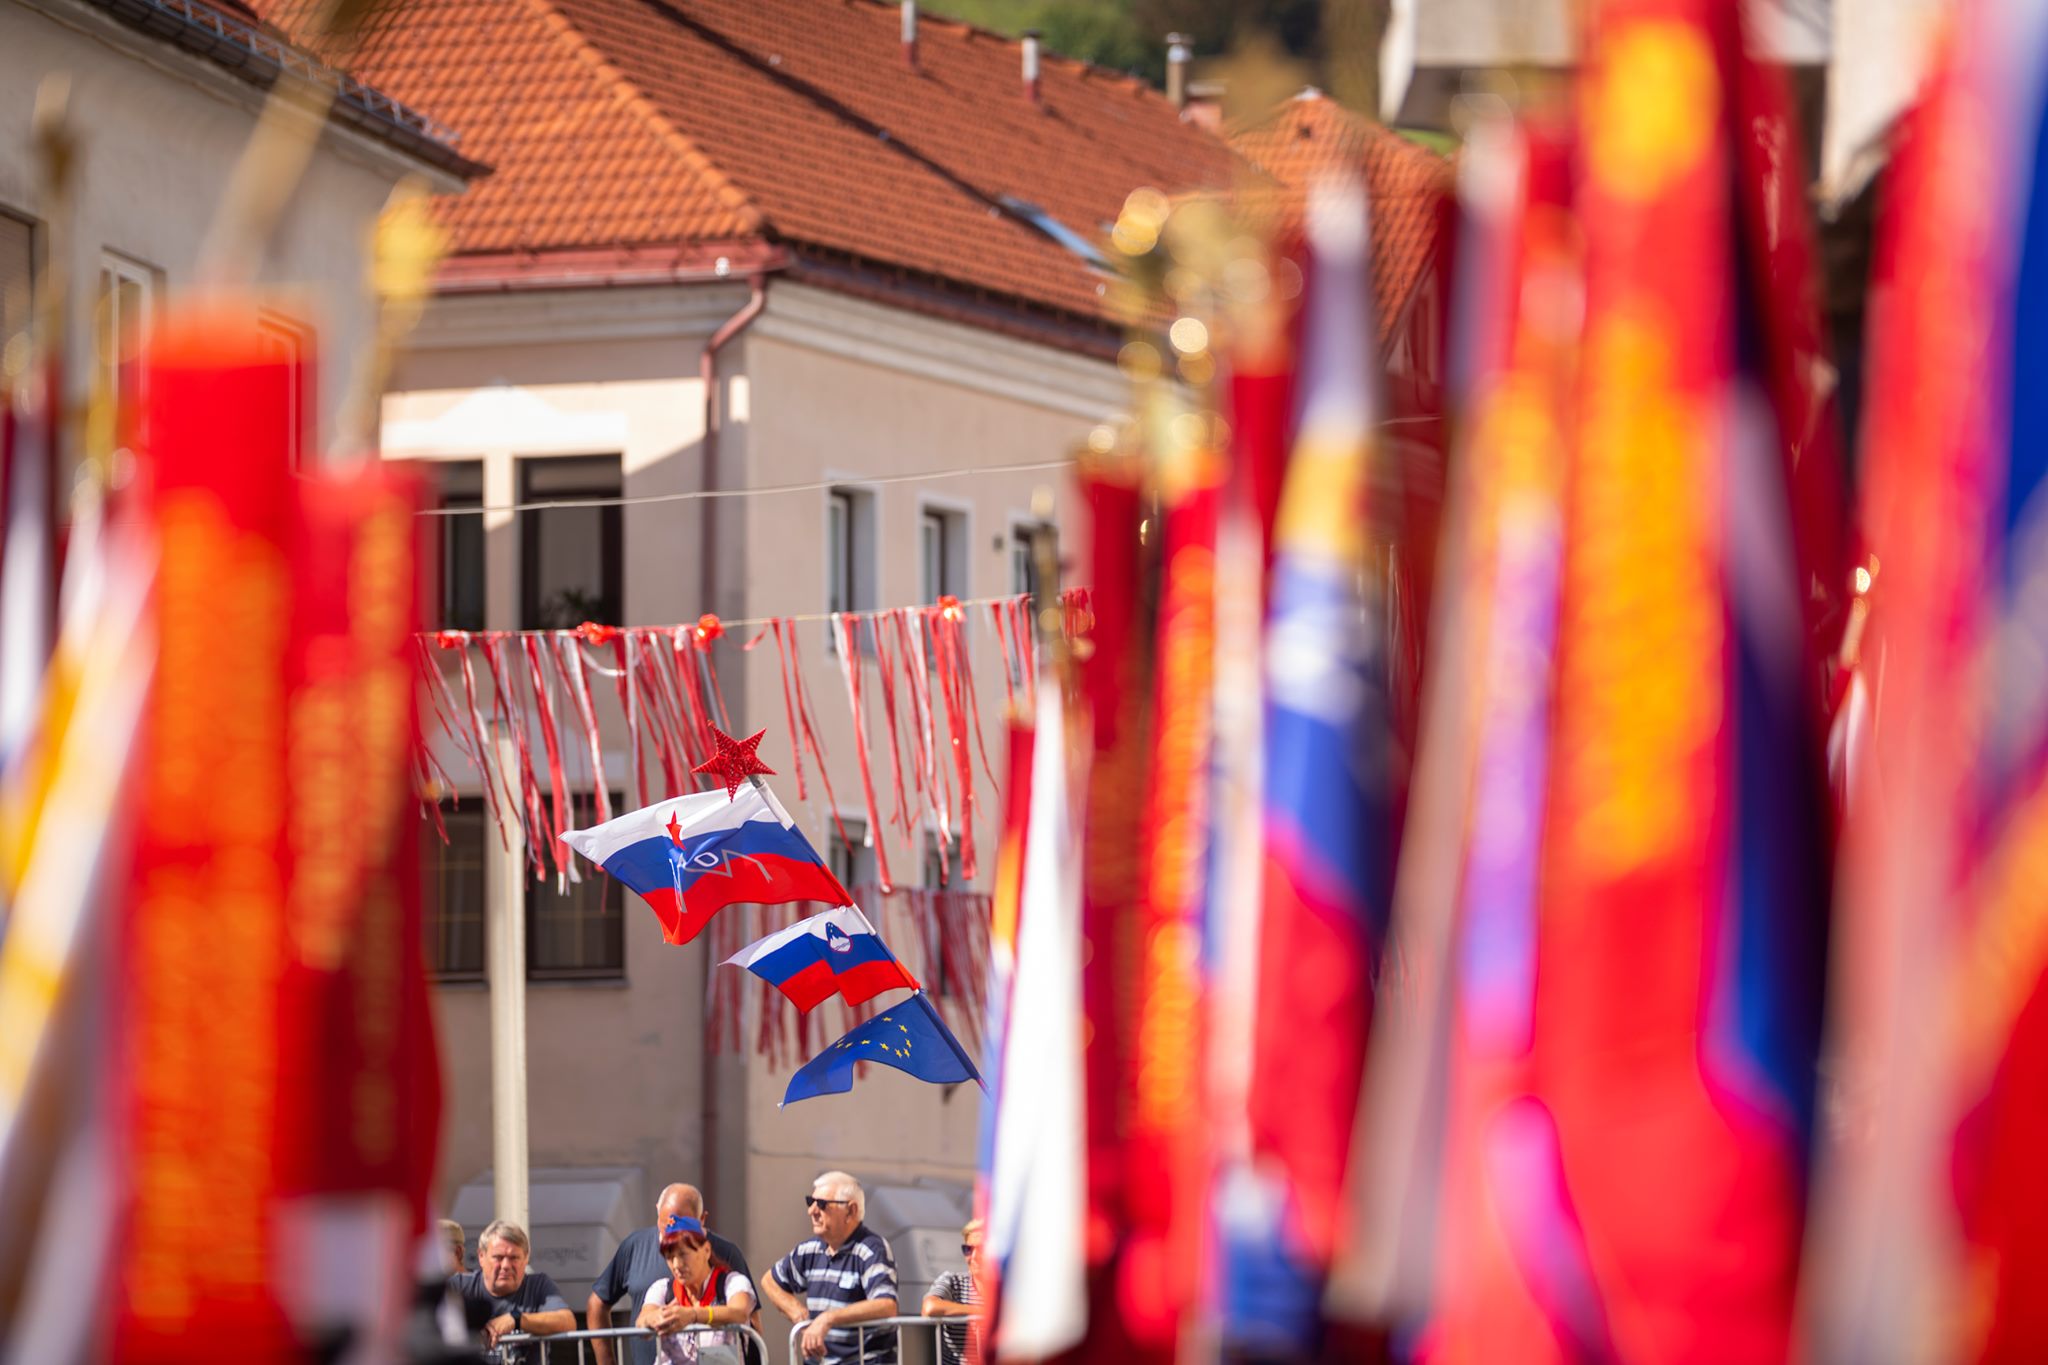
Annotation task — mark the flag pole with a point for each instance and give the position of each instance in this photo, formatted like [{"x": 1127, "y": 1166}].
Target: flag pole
[{"x": 505, "y": 945}]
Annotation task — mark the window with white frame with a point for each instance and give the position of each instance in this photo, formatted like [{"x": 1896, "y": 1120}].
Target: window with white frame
[
  {"x": 941, "y": 865},
  {"x": 570, "y": 558},
  {"x": 849, "y": 554},
  {"x": 289, "y": 344},
  {"x": 17, "y": 275},
  {"x": 576, "y": 931},
  {"x": 457, "y": 595},
  {"x": 122, "y": 312},
  {"x": 848, "y": 855},
  {"x": 942, "y": 553},
  {"x": 1024, "y": 557},
  {"x": 454, "y": 874}
]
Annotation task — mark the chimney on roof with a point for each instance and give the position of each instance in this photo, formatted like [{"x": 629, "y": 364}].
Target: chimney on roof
[
  {"x": 1031, "y": 65},
  {"x": 1177, "y": 69},
  {"x": 910, "y": 34}
]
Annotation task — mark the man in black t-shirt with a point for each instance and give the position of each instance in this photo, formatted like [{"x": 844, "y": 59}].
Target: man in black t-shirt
[
  {"x": 638, "y": 1263},
  {"x": 503, "y": 1296}
]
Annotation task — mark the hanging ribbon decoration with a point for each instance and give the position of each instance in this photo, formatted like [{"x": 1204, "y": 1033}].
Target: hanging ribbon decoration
[
  {"x": 847, "y": 629},
  {"x": 885, "y": 670},
  {"x": 544, "y": 712},
  {"x": 788, "y": 633},
  {"x": 944, "y": 623},
  {"x": 669, "y": 695}
]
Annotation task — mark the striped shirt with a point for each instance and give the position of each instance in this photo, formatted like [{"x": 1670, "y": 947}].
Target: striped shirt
[
  {"x": 860, "y": 1270},
  {"x": 960, "y": 1338}
]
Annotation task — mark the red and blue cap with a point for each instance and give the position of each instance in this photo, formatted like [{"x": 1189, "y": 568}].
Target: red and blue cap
[{"x": 681, "y": 1228}]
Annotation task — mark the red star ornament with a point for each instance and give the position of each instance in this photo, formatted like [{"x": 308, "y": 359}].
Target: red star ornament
[{"x": 735, "y": 760}]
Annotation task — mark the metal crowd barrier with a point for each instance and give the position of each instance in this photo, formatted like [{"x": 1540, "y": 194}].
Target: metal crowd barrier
[
  {"x": 520, "y": 1347},
  {"x": 910, "y": 1350}
]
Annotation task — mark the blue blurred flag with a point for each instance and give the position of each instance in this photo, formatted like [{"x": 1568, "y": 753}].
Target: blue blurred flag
[{"x": 909, "y": 1036}]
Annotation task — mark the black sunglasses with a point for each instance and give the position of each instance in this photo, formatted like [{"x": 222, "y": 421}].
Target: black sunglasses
[
  {"x": 811, "y": 1201},
  {"x": 968, "y": 1248}
]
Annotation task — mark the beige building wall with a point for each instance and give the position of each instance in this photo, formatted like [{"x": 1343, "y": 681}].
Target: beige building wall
[
  {"x": 159, "y": 133},
  {"x": 613, "y": 1079},
  {"x": 840, "y": 388},
  {"x": 820, "y": 388}
]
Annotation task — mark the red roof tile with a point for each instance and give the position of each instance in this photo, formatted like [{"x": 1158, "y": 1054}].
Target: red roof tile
[
  {"x": 1408, "y": 186},
  {"x": 636, "y": 122}
]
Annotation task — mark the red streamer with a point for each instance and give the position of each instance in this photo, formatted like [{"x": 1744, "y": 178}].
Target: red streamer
[
  {"x": 629, "y": 702},
  {"x": 573, "y": 665},
  {"x": 810, "y": 729},
  {"x": 952, "y": 681},
  {"x": 693, "y": 690},
  {"x": 551, "y": 742},
  {"x": 924, "y": 740},
  {"x": 886, "y": 670},
  {"x": 796, "y": 747},
  {"x": 489, "y": 764},
  {"x": 995, "y": 616},
  {"x": 850, "y": 668},
  {"x": 512, "y": 715}
]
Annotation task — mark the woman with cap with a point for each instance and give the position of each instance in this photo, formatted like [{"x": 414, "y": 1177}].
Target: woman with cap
[{"x": 701, "y": 1292}]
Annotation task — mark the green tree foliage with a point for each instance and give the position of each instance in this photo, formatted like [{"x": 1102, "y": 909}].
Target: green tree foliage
[{"x": 1130, "y": 35}]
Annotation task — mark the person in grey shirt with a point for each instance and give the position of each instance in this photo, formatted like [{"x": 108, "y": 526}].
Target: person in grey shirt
[{"x": 504, "y": 1295}]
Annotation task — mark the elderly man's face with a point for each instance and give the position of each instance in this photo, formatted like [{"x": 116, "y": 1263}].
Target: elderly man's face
[
  {"x": 832, "y": 1215},
  {"x": 503, "y": 1264}
]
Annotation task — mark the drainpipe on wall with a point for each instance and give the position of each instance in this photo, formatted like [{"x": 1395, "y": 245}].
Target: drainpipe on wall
[{"x": 707, "y": 370}]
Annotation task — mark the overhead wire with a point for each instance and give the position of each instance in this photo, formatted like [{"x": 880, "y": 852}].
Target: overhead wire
[{"x": 808, "y": 486}]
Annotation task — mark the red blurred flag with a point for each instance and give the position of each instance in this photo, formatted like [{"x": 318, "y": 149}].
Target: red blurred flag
[
  {"x": 1658, "y": 1163},
  {"x": 206, "y": 1073},
  {"x": 1935, "y": 1197}
]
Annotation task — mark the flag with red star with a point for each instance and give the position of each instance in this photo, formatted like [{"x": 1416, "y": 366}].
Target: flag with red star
[{"x": 691, "y": 856}]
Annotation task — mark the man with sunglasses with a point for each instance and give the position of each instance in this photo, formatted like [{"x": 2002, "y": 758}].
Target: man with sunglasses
[
  {"x": 842, "y": 1276},
  {"x": 959, "y": 1294}
]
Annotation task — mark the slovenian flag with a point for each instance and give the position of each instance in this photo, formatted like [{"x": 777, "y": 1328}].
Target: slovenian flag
[
  {"x": 692, "y": 856},
  {"x": 834, "y": 952}
]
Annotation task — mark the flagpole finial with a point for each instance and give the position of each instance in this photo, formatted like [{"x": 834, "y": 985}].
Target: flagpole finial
[{"x": 734, "y": 760}]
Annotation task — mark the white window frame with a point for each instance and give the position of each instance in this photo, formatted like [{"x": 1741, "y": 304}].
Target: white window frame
[
  {"x": 849, "y": 575},
  {"x": 1020, "y": 550},
  {"x": 117, "y": 269},
  {"x": 295, "y": 345},
  {"x": 860, "y": 857},
  {"x": 954, "y": 523}
]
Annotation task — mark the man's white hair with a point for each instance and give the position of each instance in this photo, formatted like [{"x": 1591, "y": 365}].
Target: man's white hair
[{"x": 840, "y": 1185}]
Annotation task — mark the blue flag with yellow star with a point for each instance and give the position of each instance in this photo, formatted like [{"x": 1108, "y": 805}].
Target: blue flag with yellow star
[{"x": 909, "y": 1036}]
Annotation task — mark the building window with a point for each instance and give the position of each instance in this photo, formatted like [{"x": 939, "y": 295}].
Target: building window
[
  {"x": 577, "y": 931},
  {"x": 569, "y": 557},
  {"x": 121, "y": 315},
  {"x": 17, "y": 275},
  {"x": 849, "y": 554},
  {"x": 1024, "y": 557},
  {"x": 942, "y": 552},
  {"x": 941, "y": 865},
  {"x": 850, "y": 859},
  {"x": 457, "y": 595},
  {"x": 287, "y": 343},
  {"x": 454, "y": 873}
]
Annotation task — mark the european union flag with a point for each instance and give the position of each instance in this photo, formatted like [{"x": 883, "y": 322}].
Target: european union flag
[{"x": 909, "y": 1036}]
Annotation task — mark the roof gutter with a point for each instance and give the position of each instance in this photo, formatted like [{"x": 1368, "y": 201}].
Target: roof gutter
[{"x": 604, "y": 267}]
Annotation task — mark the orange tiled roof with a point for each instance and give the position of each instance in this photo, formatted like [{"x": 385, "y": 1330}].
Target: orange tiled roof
[
  {"x": 1408, "y": 186},
  {"x": 625, "y": 123}
]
